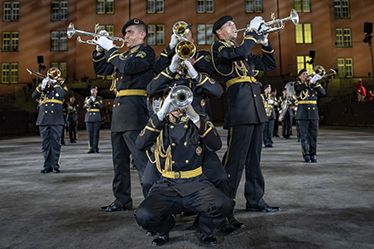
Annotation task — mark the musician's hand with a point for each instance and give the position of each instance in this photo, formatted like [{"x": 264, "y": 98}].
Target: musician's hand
[
  {"x": 165, "y": 108},
  {"x": 264, "y": 40},
  {"x": 315, "y": 78},
  {"x": 173, "y": 41},
  {"x": 174, "y": 64},
  {"x": 270, "y": 102},
  {"x": 44, "y": 83},
  {"x": 104, "y": 42},
  {"x": 191, "y": 70},
  {"x": 192, "y": 114},
  {"x": 99, "y": 49},
  {"x": 255, "y": 23},
  {"x": 92, "y": 98}
]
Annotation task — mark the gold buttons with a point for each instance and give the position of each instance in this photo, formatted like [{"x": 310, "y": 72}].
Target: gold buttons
[
  {"x": 187, "y": 161},
  {"x": 52, "y": 111},
  {"x": 52, "y": 104},
  {"x": 45, "y": 111},
  {"x": 185, "y": 126},
  {"x": 314, "y": 108},
  {"x": 172, "y": 162},
  {"x": 173, "y": 144},
  {"x": 118, "y": 104},
  {"x": 308, "y": 108},
  {"x": 185, "y": 143},
  {"x": 172, "y": 126},
  {"x": 254, "y": 95}
]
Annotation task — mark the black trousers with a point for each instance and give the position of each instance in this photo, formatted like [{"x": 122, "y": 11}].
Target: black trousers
[
  {"x": 51, "y": 145},
  {"x": 308, "y": 136},
  {"x": 155, "y": 213},
  {"x": 287, "y": 125},
  {"x": 72, "y": 127},
  {"x": 268, "y": 128},
  {"x": 213, "y": 170},
  {"x": 276, "y": 127},
  {"x": 123, "y": 145},
  {"x": 244, "y": 152},
  {"x": 93, "y": 130}
]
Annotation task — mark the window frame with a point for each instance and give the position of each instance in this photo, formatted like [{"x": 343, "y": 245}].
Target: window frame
[
  {"x": 302, "y": 62},
  {"x": 154, "y": 34},
  {"x": 62, "y": 41},
  {"x": 13, "y": 41},
  {"x": 347, "y": 62},
  {"x": 254, "y": 4},
  {"x": 208, "y": 33},
  {"x": 305, "y": 34},
  {"x": 346, "y": 38},
  {"x": 106, "y": 7},
  {"x": 304, "y": 6},
  {"x": 14, "y": 9},
  {"x": 11, "y": 74},
  {"x": 61, "y": 13},
  {"x": 339, "y": 9},
  {"x": 154, "y": 10},
  {"x": 203, "y": 3}
]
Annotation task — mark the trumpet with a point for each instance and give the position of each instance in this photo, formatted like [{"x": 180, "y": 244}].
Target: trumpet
[
  {"x": 53, "y": 73},
  {"x": 181, "y": 29},
  {"x": 185, "y": 50},
  {"x": 181, "y": 96},
  {"x": 275, "y": 24},
  {"x": 321, "y": 71},
  {"x": 72, "y": 31}
]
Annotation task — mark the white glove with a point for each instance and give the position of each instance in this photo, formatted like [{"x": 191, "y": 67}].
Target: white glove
[
  {"x": 174, "y": 64},
  {"x": 44, "y": 83},
  {"x": 190, "y": 69},
  {"x": 255, "y": 23},
  {"x": 315, "y": 78},
  {"x": 173, "y": 41},
  {"x": 92, "y": 98},
  {"x": 104, "y": 42},
  {"x": 270, "y": 101},
  {"x": 192, "y": 114},
  {"x": 165, "y": 108},
  {"x": 99, "y": 49},
  {"x": 264, "y": 41}
]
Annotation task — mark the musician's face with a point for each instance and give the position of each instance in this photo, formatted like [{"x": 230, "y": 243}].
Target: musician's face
[
  {"x": 134, "y": 36},
  {"x": 304, "y": 76},
  {"x": 227, "y": 31},
  {"x": 189, "y": 37}
]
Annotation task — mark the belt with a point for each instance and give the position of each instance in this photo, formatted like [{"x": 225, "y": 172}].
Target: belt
[
  {"x": 248, "y": 79},
  {"x": 307, "y": 102},
  {"x": 183, "y": 174},
  {"x": 94, "y": 110},
  {"x": 131, "y": 92},
  {"x": 51, "y": 101}
]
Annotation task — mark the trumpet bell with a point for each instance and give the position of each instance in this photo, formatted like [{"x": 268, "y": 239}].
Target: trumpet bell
[
  {"x": 54, "y": 73},
  {"x": 294, "y": 17},
  {"x": 185, "y": 50},
  {"x": 181, "y": 28},
  {"x": 181, "y": 96},
  {"x": 70, "y": 30}
]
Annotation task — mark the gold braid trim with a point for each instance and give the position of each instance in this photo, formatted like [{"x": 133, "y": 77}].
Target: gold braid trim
[{"x": 159, "y": 152}]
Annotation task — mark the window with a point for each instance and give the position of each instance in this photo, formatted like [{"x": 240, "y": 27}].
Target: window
[
  {"x": 9, "y": 73},
  {"x": 303, "y": 62},
  {"x": 155, "y": 6},
  {"x": 302, "y": 5},
  {"x": 59, "y": 41},
  {"x": 204, "y": 34},
  {"x": 10, "y": 41},
  {"x": 104, "y": 7},
  {"x": 345, "y": 67},
  {"x": 204, "y": 6},
  {"x": 62, "y": 66},
  {"x": 343, "y": 38},
  {"x": 156, "y": 34},
  {"x": 59, "y": 10},
  {"x": 107, "y": 27},
  {"x": 303, "y": 33},
  {"x": 10, "y": 11},
  {"x": 341, "y": 9},
  {"x": 253, "y": 6}
]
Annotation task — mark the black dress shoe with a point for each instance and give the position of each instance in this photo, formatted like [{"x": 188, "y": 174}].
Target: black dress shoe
[
  {"x": 45, "y": 171},
  {"x": 91, "y": 151},
  {"x": 56, "y": 170},
  {"x": 149, "y": 233},
  {"x": 113, "y": 207},
  {"x": 306, "y": 159},
  {"x": 208, "y": 240},
  {"x": 313, "y": 159},
  {"x": 227, "y": 228},
  {"x": 266, "y": 209},
  {"x": 234, "y": 222},
  {"x": 160, "y": 240}
]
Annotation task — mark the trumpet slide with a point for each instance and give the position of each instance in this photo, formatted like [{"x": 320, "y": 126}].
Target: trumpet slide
[{"x": 71, "y": 31}]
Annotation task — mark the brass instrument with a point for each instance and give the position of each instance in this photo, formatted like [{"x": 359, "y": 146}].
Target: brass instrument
[
  {"x": 275, "y": 24},
  {"x": 181, "y": 96},
  {"x": 318, "y": 69},
  {"x": 268, "y": 105},
  {"x": 53, "y": 73},
  {"x": 185, "y": 50},
  {"x": 181, "y": 29},
  {"x": 72, "y": 31}
]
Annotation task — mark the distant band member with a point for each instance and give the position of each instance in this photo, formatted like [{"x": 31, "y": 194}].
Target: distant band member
[
  {"x": 308, "y": 90},
  {"x": 268, "y": 126},
  {"x": 245, "y": 109},
  {"x": 133, "y": 71},
  {"x": 72, "y": 119},
  {"x": 93, "y": 105},
  {"x": 50, "y": 94}
]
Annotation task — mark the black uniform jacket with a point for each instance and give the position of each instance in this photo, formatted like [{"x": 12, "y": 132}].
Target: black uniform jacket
[
  {"x": 236, "y": 63},
  {"x": 71, "y": 112},
  {"x": 179, "y": 146},
  {"x": 50, "y": 104},
  {"x": 93, "y": 108},
  {"x": 133, "y": 70},
  {"x": 307, "y": 97}
]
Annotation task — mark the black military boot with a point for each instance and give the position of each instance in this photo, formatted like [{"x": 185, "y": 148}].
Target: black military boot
[
  {"x": 208, "y": 240},
  {"x": 160, "y": 239}
]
